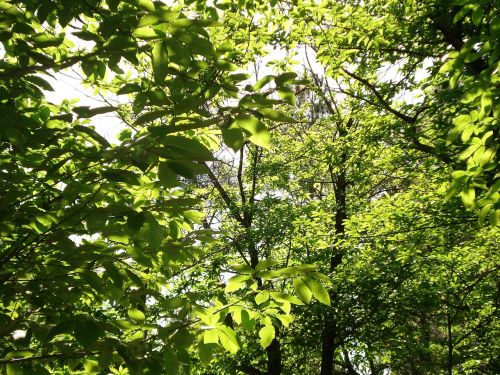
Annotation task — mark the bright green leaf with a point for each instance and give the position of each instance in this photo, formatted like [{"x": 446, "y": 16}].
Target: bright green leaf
[
  {"x": 266, "y": 335},
  {"x": 136, "y": 315}
]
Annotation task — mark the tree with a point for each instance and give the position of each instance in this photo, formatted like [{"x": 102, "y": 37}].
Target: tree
[
  {"x": 93, "y": 233},
  {"x": 359, "y": 42},
  {"x": 314, "y": 218}
]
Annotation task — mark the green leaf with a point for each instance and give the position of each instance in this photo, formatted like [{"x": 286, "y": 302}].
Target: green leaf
[
  {"x": 483, "y": 214},
  {"x": 129, "y": 88},
  {"x": 261, "y": 298},
  {"x": 265, "y": 264},
  {"x": 160, "y": 62},
  {"x": 93, "y": 280},
  {"x": 167, "y": 176},
  {"x": 135, "y": 220},
  {"x": 302, "y": 290},
  {"x": 237, "y": 282},
  {"x": 318, "y": 291},
  {"x": 186, "y": 168},
  {"x": 262, "y": 82},
  {"x": 145, "y": 33},
  {"x": 146, "y": 4},
  {"x": 283, "y": 297},
  {"x": 238, "y": 77},
  {"x": 188, "y": 148},
  {"x": 286, "y": 319},
  {"x": 93, "y": 134},
  {"x": 136, "y": 314},
  {"x": 40, "y": 82},
  {"x": 247, "y": 323},
  {"x": 87, "y": 112},
  {"x": 210, "y": 336},
  {"x": 268, "y": 275},
  {"x": 462, "y": 120},
  {"x": 448, "y": 66},
  {"x": 205, "y": 352},
  {"x": 93, "y": 69},
  {"x": 287, "y": 95},
  {"x": 258, "y": 132},
  {"x": 121, "y": 175},
  {"x": 43, "y": 40},
  {"x": 105, "y": 358},
  {"x": 477, "y": 15},
  {"x": 113, "y": 273},
  {"x": 242, "y": 268},
  {"x": 151, "y": 116},
  {"x": 266, "y": 335},
  {"x": 274, "y": 115},
  {"x": 172, "y": 362},
  {"x": 472, "y": 94},
  {"x": 285, "y": 78},
  {"x": 228, "y": 339},
  {"x": 462, "y": 13},
  {"x": 319, "y": 276},
  {"x": 486, "y": 101},
  {"x": 153, "y": 233},
  {"x": 233, "y": 137},
  {"x": 91, "y": 366},
  {"x": 158, "y": 16},
  {"x": 87, "y": 35},
  {"x": 495, "y": 26},
  {"x": 494, "y": 217},
  {"x": 14, "y": 369},
  {"x": 86, "y": 332},
  {"x": 468, "y": 196}
]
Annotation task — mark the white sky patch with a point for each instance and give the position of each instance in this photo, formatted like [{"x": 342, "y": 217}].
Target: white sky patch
[
  {"x": 67, "y": 86},
  {"x": 19, "y": 334},
  {"x": 77, "y": 239}
]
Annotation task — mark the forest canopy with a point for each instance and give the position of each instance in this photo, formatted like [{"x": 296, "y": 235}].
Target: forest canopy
[{"x": 295, "y": 187}]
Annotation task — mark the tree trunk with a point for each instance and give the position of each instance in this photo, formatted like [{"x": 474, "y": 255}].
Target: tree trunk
[
  {"x": 328, "y": 346},
  {"x": 274, "y": 365},
  {"x": 450, "y": 342},
  {"x": 330, "y": 340}
]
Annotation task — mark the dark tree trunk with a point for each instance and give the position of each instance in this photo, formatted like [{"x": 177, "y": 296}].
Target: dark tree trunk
[
  {"x": 274, "y": 365},
  {"x": 328, "y": 346},
  {"x": 450, "y": 343},
  {"x": 330, "y": 340}
]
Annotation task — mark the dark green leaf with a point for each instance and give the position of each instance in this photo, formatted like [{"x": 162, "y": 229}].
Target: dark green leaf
[{"x": 86, "y": 332}]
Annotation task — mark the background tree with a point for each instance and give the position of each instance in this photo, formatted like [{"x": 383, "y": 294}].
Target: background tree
[{"x": 166, "y": 252}]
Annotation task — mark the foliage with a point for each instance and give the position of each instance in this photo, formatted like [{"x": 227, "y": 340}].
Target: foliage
[
  {"x": 337, "y": 214},
  {"x": 93, "y": 233}
]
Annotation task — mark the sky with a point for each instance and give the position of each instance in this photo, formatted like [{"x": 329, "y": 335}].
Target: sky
[{"x": 67, "y": 86}]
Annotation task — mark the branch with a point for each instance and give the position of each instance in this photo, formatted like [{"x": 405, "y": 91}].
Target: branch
[
  {"x": 385, "y": 104},
  {"x": 350, "y": 368},
  {"x": 453, "y": 35},
  {"x": 240, "y": 176},
  {"x": 223, "y": 194},
  {"x": 47, "y": 357},
  {"x": 410, "y": 120}
]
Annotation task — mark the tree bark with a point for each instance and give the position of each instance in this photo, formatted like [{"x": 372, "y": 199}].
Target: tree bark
[
  {"x": 449, "y": 342},
  {"x": 328, "y": 346},
  {"x": 329, "y": 339},
  {"x": 274, "y": 365}
]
